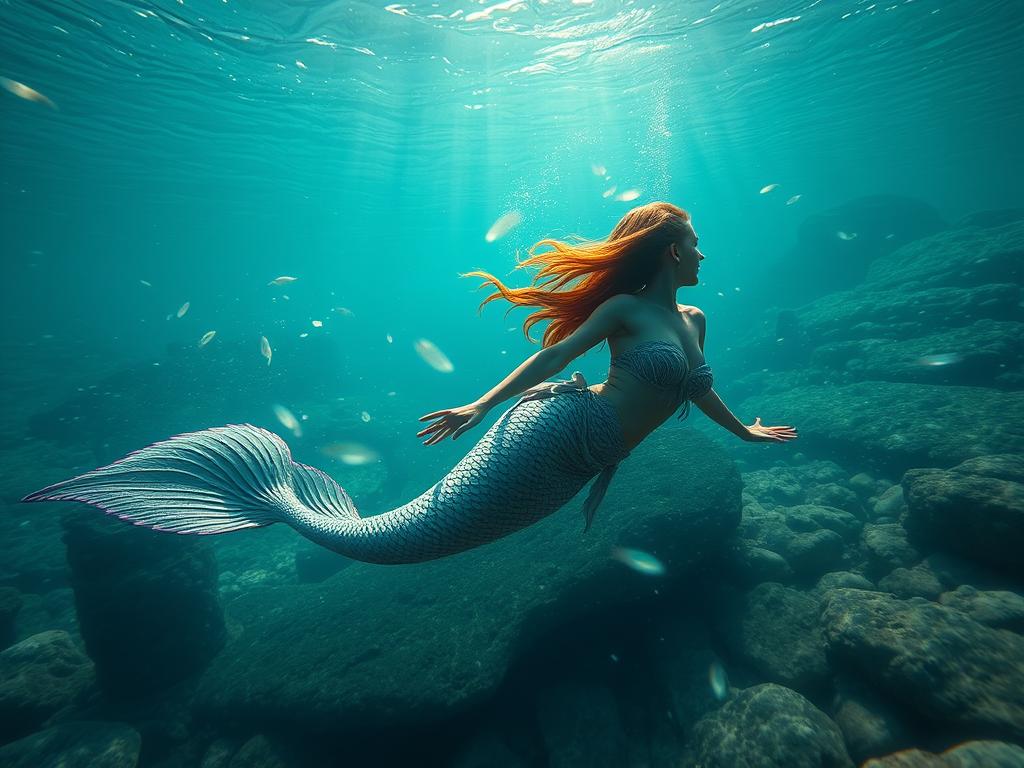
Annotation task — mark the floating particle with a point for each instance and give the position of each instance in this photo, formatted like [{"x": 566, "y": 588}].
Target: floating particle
[
  {"x": 303, "y": 335},
  {"x": 351, "y": 453},
  {"x": 207, "y": 338},
  {"x": 718, "y": 680},
  {"x": 609, "y": 192},
  {"x": 501, "y": 227},
  {"x": 183, "y": 309},
  {"x": 613, "y": 657},
  {"x": 146, "y": 283},
  {"x": 25, "y": 92},
  {"x": 364, "y": 415},
  {"x": 629, "y": 194},
  {"x": 846, "y": 235},
  {"x": 300, "y": 65},
  {"x": 777, "y": 22},
  {"x": 638, "y": 560},
  {"x": 344, "y": 311},
  {"x": 768, "y": 188},
  {"x": 265, "y": 349},
  {"x": 793, "y": 199},
  {"x": 599, "y": 170},
  {"x": 318, "y": 323},
  {"x": 282, "y": 280},
  {"x": 433, "y": 356},
  {"x": 945, "y": 358},
  {"x": 287, "y": 419},
  {"x": 389, "y": 338}
]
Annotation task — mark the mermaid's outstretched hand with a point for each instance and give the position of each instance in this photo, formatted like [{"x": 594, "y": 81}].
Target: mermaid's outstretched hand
[
  {"x": 758, "y": 433},
  {"x": 452, "y": 421}
]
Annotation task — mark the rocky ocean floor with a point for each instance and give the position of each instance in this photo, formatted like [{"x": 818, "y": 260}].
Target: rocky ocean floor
[{"x": 855, "y": 598}]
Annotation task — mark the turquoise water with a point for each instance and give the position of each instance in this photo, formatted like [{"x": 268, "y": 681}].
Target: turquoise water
[{"x": 193, "y": 152}]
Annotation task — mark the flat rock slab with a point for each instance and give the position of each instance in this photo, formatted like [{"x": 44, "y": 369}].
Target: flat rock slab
[
  {"x": 420, "y": 642},
  {"x": 934, "y": 660},
  {"x": 75, "y": 745},
  {"x": 892, "y": 427}
]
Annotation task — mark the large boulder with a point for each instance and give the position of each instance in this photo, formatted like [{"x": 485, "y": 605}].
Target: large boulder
[
  {"x": 975, "y": 510},
  {"x": 377, "y": 644},
  {"x": 75, "y": 745},
  {"x": 933, "y": 660},
  {"x": 768, "y": 726},
  {"x": 973, "y": 754},
  {"x": 40, "y": 677},
  {"x": 142, "y": 596},
  {"x": 775, "y": 630}
]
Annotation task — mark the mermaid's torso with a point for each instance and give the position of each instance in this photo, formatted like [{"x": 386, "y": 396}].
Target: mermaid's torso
[{"x": 662, "y": 380}]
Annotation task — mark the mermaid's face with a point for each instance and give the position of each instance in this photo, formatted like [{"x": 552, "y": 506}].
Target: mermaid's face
[{"x": 689, "y": 255}]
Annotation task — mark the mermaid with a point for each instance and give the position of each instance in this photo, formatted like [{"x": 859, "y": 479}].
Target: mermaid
[{"x": 539, "y": 454}]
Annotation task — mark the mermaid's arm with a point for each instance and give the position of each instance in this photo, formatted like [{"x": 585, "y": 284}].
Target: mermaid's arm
[{"x": 717, "y": 411}]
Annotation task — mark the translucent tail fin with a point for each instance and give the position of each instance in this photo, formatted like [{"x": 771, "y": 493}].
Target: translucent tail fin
[{"x": 213, "y": 481}]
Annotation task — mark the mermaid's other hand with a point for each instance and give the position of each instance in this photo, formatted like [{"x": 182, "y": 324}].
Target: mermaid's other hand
[{"x": 452, "y": 421}]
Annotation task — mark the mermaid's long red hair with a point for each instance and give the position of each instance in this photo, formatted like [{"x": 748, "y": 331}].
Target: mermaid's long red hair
[{"x": 622, "y": 263}]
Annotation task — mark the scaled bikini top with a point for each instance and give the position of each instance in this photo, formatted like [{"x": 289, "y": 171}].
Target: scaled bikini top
[{"x": 663, "y": 364}]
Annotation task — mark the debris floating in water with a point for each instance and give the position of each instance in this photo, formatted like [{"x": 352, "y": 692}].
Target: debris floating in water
[
  {"x": 846, "y": 235},
  {"x": 351, "y": 453},
  {"x": 433, "y": 356},
  {"x": 501, "y": 227},
  {"x": 282, "y": 280},
  {"x": 629, "y": 194},
  {"x": 344, "y": 311},
  {"x": 793, "y": 199},
  {"x": 718, "y": 679},
  {"x": 318, "y": 323},
  {"x": 945, "y": 358},
  {"x": 638, "y": 560},
  {"x": 364, "y": 415},
  {"x": 599, "y": 170},
  {"x": 183, "y": 309},
  {"x": 303, "y": 335},
  {"x": 389, "y": 338},
  {"x": 146, "y": 283},
  {"x": 610, "y": 191},
  {"x": 25, "y": 92},
  {"x": 768, "y": 188},
  {"x": 207, "y": 338},
  {"x": 265, "y": 349},
  {"x": 287, "y": 419}
]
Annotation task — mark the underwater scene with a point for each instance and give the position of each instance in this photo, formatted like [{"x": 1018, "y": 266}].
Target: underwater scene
[{"x": 345, "y": 425}]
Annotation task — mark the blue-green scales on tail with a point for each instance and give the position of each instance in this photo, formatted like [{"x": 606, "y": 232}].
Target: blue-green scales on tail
[{"x": 535, "y": 458}]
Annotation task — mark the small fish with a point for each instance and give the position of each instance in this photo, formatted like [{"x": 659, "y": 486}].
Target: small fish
[
  {"x": 638, "y": 560},
  {"x": 353, "y": 454},
  {"x": 265, "y": 349},
  {"x": 300, "y": 65},
  {"x": 303, "y": 335},
  {"x": 207, "y": 338},
  {"x": 944, "y": 358},
  {"x": 718, "y": 680},
  {"x": 609, "y": 192},
  {"x": 364, "y": 416},
  {"x": 146, "y": 283},
  {"x": 433, "y": 356},
  {"x": 287, "y": 419},
  {"x": 846, "y": 235},
  {"x": 25, "y": 92},
  {"x": 282, "y": 280},
  {"x": 344, "y": 311},
  {"x": 793, "y": 199},
  {"x": 768, "y": 188},
  {"x": 629, "y": 194},
  {"x": 501, "y": 227},
  {"x": 599, "y": 170},
  {"x": 183, "y": 309},
  {"x": 389, "y": 338},
  {"x": 318, "y": 323}
]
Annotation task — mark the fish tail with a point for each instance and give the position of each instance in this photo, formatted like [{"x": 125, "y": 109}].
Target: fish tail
[{"x": 212, "y": 481}]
